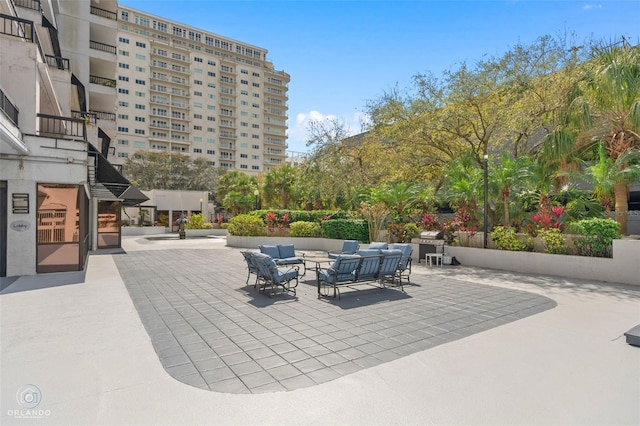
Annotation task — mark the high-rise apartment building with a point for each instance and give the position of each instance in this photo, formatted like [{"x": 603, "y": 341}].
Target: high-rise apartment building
[{"x": 182, "y": 89}]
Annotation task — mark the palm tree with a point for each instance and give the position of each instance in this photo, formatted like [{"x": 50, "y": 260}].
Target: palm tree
[
  {"x": 279, "y": 186},
  {"x": 507, "y": 174},
  {"x": 613, "y": 97},
  {"x": 606, "y": 173},
  {"x": 464, "y": 185}
]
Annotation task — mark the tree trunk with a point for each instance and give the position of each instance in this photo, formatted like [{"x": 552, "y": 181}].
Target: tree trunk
[{"x": 621, "y": 193}]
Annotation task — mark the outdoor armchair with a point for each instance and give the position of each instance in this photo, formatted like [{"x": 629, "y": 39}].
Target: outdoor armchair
[{"x": 348, "y": 247}]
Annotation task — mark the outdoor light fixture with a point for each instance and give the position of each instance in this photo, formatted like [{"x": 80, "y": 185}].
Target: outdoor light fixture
[
  {"x": 486, "y": 198},
  {"x": 256, "y": 193},
  {"x": 201, "y": 207}
]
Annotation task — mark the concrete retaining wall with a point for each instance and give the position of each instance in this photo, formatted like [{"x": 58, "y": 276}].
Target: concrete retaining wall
[{"x": 624, "y": 267}]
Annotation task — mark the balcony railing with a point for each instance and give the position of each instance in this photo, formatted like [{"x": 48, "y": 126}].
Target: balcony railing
[
  {"x": 16, "y": 27},
  {"x": 101, "y": 115},
  {"x": 8, "y": 108},
  {"x": 102, "y": 46},
  {"x": 64, "y": 127},
  {"x": 89, "y": 117},
  {"x": 29, "y": 4},
  {"x": 102, "y": 81},
  {"x": 104, "y": 13},
  {"x": 57, "y": 62}
]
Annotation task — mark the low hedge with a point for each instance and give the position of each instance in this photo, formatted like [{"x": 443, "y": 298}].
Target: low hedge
[
  {"x": 346, "y": 229},
  {"x": 303, "y": 215}
]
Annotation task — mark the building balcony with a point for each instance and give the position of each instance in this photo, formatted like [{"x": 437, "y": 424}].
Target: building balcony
[
  {"x": 9, "y": 109},
  {"x": 107, "y": 116},
  {"x": 57, "y": 62},
  {"x": 103, "y": 47},
  {"x": 62, "y": 127},
  {"x": 227, "y": 135},
  {"x": 102, "y": 81},
  {"x": 104, "y": 13},
  {"x": 29, "y": 4}
]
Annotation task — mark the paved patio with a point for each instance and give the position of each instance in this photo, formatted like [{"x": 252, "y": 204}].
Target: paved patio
[
  {"x": 79, "y": 338},
  {"x": 212, "y": 331}
]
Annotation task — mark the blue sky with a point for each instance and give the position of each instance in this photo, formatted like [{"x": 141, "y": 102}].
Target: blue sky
[{"x": 341, "y": 54}]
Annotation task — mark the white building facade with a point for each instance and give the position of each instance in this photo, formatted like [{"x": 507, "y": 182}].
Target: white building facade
[{"x": 59, "y": 196}]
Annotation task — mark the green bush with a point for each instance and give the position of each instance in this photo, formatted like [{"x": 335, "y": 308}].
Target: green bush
[
  {"x": 553, "y": 241},
  {"x": 305, "y": 229},
  {"x": 196, "y": 221},
  {"x": 247, "y": 226},
  {"x": 346, "y": 229},
  {"x": 597, "y": 236},
  {"x": 411, "y": 231},
  {"x": 303, "y": 215},
  {"x": 507, "y": 239}
]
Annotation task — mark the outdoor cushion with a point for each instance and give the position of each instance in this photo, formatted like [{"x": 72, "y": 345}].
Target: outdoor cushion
[
  {"x": 369, "y": 266},
  {"x": 406, "y": 250},
  {"x": 390, "y": 262},
  {"x": 378, "y": 245},
  {"x": 271, "y": 251},
  {"x": 286, "y": 250},
  {"x": 290, "y": 261},
  {"x": 368, "y": 252},
  {"x": 282, "y": 275}
]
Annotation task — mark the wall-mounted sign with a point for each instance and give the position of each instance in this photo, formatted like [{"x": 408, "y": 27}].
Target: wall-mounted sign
[
  {"x": 20, "y": 225},
  {"x": 20, "y": 203}
]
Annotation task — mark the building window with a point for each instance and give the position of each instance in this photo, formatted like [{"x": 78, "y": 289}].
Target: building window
[
  {"x": 254, "y": 136},
  {"x": 141, "y": 69},
  {"x": 141, "y": 119},
  {"x": 255, "y": 146},
  {"x": 124, "y": 16},
  {"x": 123, "y": 40},
  {"x": 211, "y": 152},
  {"x": 255, "y": 126},
  {"x": 197, "y": 150},
  {"x": 255, "y": 167},
  {"x": 197, "y": 116},
  {"x": 123, "y": 52},
  {"x": 244, "y": 156},
  {"x": 244, "y": 81},
  {"x": 123, "y": 154},
  {"x": 140, "y": 132},
  {"x": 255, "y": 84},
  {"x": 139, "y": 106},
  {"x": 243, "y": 166},
  {"x": 198, "y": 82},
  {"x": 197, "y": 127},
  {"x": 142, "y": 82},
  {"x": 140, "y": 94},
  {"x": 140, "y": 57},
  {"x": 123, "y": 103},
  {"x": 123, "y": 129},
  {"x": 123, "y": 142},
  {"x": 123, "y": 91},
  {"x": 210, "y": 118},
  {"x": 123, "y": 66},
  {"x": 123, "y": 78},
  {"x": 196, "y": 93},
  {"x": 196, "y": 59},
  {"x": 123, "y": 116},
  {"x": 141, "y": 44}
]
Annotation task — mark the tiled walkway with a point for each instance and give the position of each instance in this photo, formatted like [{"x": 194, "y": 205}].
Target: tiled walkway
[{"x": 212, "y": 331}]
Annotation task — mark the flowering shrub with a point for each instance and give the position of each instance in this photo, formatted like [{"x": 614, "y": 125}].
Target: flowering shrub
[
  {"x": 429, "y": 222},
  {"x": 274, "y": 222},
  {"x": 549, "y": 218}
]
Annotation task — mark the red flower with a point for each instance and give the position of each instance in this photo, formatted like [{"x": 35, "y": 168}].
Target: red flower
[
  {"x": 536, "y": 218},
  {"x": 557, "y": 210}
]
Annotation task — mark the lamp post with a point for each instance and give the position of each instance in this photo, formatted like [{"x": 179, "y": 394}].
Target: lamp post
[
  {"x": 256, "y": 193},
  {"x": 486, "y": 198}
]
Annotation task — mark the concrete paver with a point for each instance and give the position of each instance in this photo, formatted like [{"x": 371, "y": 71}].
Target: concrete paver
[{"x": 85, "y": 347}]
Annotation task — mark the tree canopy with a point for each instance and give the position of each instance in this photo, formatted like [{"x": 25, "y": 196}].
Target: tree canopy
[{"x": 168, "y": 170}]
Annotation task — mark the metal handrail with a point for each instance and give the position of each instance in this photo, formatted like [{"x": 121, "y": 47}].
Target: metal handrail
[
  {"x": 16, "y": 27},
  {"x": 104, "y": 13},
  {"x": 102, "y": 46},
  {"x": 29, "y": 4},
  {"x": 10, "y": 110},
  {"x": 110, "y": 116},
  {"x": 66, "y": 127},
  {"x": 58, "y": 62},
  {"x": 102, "y": 81}
]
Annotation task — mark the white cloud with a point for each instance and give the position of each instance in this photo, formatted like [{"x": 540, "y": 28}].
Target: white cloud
[
  {"x": 592, "y": 6},
  {"x": 297, "y": 134}
]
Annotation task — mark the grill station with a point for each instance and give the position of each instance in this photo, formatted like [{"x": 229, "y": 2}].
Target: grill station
[{"x": 428, "y": 242}]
